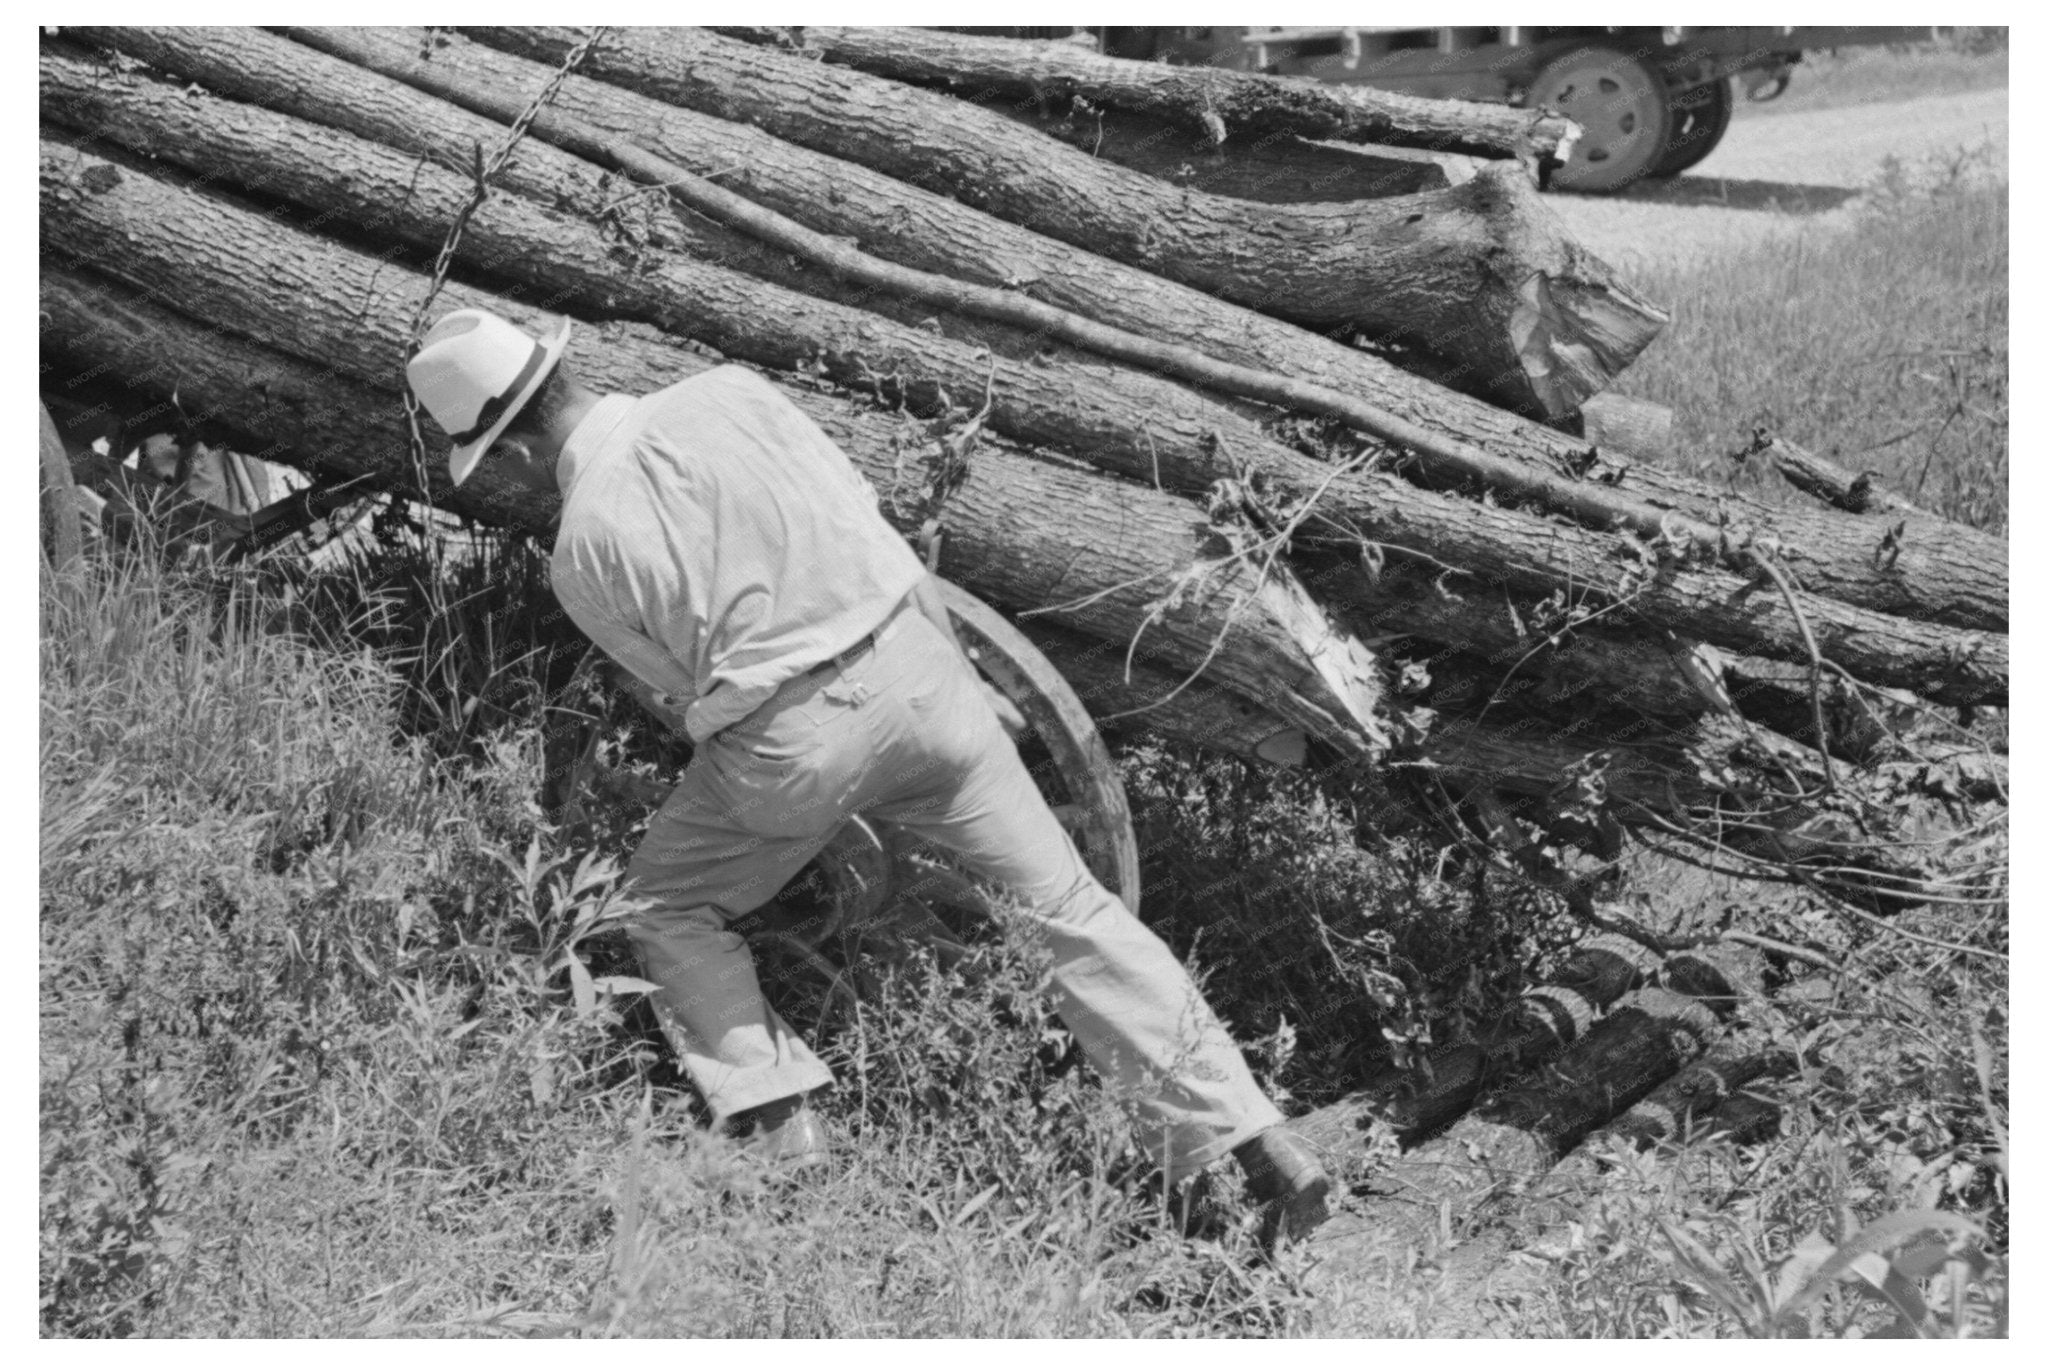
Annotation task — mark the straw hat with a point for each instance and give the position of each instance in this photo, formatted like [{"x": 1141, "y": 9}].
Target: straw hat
[{"x": 473, "y": 373}]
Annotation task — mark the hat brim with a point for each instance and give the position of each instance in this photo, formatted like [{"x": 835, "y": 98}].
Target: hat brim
[{"x": 462, "y": 459}]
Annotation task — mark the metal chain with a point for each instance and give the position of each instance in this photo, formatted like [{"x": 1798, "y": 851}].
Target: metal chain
[{"x": 481, "y": 174}]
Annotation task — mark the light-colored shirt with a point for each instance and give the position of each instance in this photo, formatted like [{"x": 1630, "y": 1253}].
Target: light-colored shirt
[{"x": 716, "y": 543}]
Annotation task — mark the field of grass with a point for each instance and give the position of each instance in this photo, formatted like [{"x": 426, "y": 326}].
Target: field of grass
[
  {"x": 1852, "y": 76},
  {"x": 1883, "y": 346},
  {"x": 313, "y": 1062}
]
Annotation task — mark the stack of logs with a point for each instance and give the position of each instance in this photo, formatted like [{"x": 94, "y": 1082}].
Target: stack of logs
[{"x": 1255, "y": 404}]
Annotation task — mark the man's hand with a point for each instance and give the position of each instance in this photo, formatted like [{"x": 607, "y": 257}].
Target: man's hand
[
  {"x": 1006, "y": 711},
  {"x": 925, "y": 597}
]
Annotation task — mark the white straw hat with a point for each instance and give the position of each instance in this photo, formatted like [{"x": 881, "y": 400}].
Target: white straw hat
[{"x": 473, "y": 373}]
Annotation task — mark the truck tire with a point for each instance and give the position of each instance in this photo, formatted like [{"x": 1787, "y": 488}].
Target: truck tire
[
  {"x": 1620, "y": 101},
  {"x": 1699, "y": 119}
]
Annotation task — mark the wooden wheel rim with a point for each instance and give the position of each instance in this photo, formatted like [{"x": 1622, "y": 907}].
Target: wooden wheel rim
[{"x": 1098, "y": 814}]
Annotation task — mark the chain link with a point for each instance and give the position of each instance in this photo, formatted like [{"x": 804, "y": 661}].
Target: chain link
[{"x": 482, "y": 174}]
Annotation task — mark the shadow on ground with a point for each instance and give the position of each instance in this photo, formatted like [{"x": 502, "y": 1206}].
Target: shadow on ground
[{"x": 1711, "y": 191}]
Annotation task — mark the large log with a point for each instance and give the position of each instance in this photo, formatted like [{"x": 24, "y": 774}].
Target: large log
[
  {"x": 1925, "y": 581},
  {"x": 1123, "y": 418},
  {"x": 1026, "y": 533},
  {"x": 1221, "y": 104},
  {"x": 1445, "y": 1081},
  {"x": 1478, "y": 1282},
  {"x": 323, "y": 415},
  {"x": 929, "y": 232},
  {"x": 1497, "y": 1150},
  {"x": 62, "y": 539},
  {"x": 1067, "y": 400},
  {"x": 1633, "y": 427},
  {"x": 1278, "y": 168},
  {"x": 1482, "y": 273}
]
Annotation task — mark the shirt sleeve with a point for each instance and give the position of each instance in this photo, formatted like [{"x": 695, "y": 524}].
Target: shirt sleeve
[{"x": 632, "y": 649}]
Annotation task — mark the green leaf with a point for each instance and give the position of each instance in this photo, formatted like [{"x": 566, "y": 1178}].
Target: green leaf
[
  {"x": 1883, "y": 1282},
  {"x": 1799, "y": 1267},
  {"x": 1891, "y": 1231},
  {"x": 1704, "y": 1271},
  {"x": 584, "y": 989},
  {"x": 624, "y": 985},
  {"x": 975, "y": 1205}
]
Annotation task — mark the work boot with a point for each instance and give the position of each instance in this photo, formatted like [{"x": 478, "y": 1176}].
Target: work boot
[
  {"x": 786, "y": 1134},
  {"x": 1282, "y": 1174}
]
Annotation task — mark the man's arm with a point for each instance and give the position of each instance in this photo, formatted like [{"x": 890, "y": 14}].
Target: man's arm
[
  {"x": 928, "y": 600},
  {"x": 636, "y": 653}
]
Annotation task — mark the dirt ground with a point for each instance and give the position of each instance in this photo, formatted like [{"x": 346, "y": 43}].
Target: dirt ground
[{"x": 1777, "y": 174}]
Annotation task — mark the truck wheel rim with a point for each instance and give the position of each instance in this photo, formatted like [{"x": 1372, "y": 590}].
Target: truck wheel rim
[{"x": 1620, "y": 103}]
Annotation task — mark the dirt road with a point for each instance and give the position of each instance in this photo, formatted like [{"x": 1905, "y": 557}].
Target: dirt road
[{"x": 1776, "y": 174}]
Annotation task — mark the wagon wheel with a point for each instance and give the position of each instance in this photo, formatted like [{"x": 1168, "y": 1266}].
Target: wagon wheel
[
  {"x": 1084, "y": 789},
  {"x": 874, "y": 889},
  {"x": 1619, "y": 100},
  {"x": 1700, "y": 118}
]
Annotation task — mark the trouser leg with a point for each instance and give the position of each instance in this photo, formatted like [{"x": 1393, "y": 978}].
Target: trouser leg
[
  {"x": 1128, "y": 1000},
  {"x": 702, "y": 869},
  {"x": 737, "y": 1051}
]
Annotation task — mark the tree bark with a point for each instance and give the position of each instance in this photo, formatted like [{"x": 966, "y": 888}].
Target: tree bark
[
  {"x": 1483, "y": 273},
  {"x": 1221, "y": 104},
  {"x": 1279, "y": 168},
  {"x": 1669, "y": 1112},
  {"x": 1416, "y": 1101},
  {"x": 1632, "y": 427},
  {"x": 1482, "y": 1274},
  {"x": 932, "y": 233},
  {"x": 63, "y": 542},
  {"x": 1824, "y": 479},
  {"x": 1025, "y": 533},
  {"x": 1499, "y": 1149},
  {"x": 1123, "y": 419}
]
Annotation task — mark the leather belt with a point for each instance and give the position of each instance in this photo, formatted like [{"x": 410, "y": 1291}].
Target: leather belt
[
  {"x": 864, "y": 643},
  {"x": 847, "y": 655}
]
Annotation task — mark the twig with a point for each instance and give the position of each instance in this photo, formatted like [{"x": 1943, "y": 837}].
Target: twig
[
  {"x": 1812, "y": 956},
  {"x": 646, "y": 190},
  {"x": 1813, "y": 884},
  {"x": 1764, "y": 560}
]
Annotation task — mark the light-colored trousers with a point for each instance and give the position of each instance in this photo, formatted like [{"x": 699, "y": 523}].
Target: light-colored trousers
[{"x": 904, "y": 734}]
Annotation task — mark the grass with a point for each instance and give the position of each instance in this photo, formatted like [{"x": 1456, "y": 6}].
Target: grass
[
  {"x": 312, "y": 1063},
  {"x": 1852, "y": 76},
  {"x": 1883, "y": 345}
]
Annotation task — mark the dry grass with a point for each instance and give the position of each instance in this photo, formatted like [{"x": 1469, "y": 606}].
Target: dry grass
[
  {"x": 1883, "y": 346},
  {"x": 1979, "y": 59}
]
